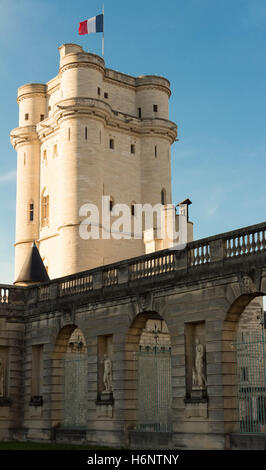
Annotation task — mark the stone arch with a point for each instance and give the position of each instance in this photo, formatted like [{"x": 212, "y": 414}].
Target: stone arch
[
  {"x": 136, "y": 336},
  {"x": 229, "y": 375},
  {"x": 67, "y": 341}
]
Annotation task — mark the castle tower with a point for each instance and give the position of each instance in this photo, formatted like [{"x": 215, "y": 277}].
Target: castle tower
[{"x": 89, "y": 132}]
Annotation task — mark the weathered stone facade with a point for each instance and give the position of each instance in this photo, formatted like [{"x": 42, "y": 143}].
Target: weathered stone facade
[{"x": 200, "y": 292}]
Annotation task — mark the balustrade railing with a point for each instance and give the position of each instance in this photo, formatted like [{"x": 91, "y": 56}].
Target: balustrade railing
[
  {"x": 245, "y": 243},
  {"x": 221, "y": 248},
  {"x": 152, "y": 266},
  {"x": 199, "y": 254},
  {"x": 4, "y": 295},
  {"x": 76, "y": 285},
  {"x": 110, "y": 277}
]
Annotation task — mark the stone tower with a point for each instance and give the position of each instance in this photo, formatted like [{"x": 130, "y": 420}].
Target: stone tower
[{"x": 89, "y": 132}]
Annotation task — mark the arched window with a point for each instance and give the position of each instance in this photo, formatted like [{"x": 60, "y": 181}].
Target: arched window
[
  {"x": 45, "y": 208},
  {"x": 163, "y": 197}
]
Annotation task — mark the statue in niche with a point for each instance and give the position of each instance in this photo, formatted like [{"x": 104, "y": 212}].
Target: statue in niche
[
  {"x": 1, "y": 378},
  {"x": 198, "y": 374},
  {"x": 107, "y": 373}
]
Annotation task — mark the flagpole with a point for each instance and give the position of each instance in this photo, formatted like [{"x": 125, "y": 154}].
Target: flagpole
[{"x": 103, "y": 35}]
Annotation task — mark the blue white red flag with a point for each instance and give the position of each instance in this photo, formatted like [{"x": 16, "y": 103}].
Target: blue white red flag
[{"x": 92, "y": 25}]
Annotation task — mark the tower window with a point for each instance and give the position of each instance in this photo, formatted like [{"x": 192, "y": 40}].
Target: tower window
[
  {"x": 69, "y": 133},
  {"x": 132, "y": 148},
  {"x": 86, "y": 133},
  {"x": 163, "y": 197},
  {"x": 155, "y": 151},
  {"x": 49, "y": 108},
  {"x": 111, "y": 144},
  {"x": 139, "y": 113},
  {"x": 45, "y": 209},
  {"x": 155, "y": 108},
  {"x": 106, "y": 95},
  {"x": 55, "y": 150},
  {"x": 41, "y": 117},
  {"x": 99, "y": 91},
  {"x": 133, "y": 208},
  {"x": 31, "y": 212},
  {"x": 44, "y": 156},
  {"x": 26, "y": 117}
]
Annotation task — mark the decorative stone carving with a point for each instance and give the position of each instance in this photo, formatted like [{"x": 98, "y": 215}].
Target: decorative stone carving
[
  {"x": 247, "y": 284},
  {"x": 145, "y": 301},
  {"x": 107, "y": 374},
  {"x": 199, "y": 380}
]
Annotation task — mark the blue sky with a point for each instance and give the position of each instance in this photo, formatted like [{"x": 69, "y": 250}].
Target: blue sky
[{"x": 212, "y": 51}]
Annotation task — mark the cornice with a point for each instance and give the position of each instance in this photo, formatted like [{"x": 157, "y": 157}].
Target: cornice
[
  {"x": 23, "y": 135},
  {"x": 76, "y": 65},
  {"x": 30, "y": 95}
]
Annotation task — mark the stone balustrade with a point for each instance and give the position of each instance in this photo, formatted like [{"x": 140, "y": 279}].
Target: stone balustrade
[
  {"x": 223, "y": 248},
  {"x": 11, "y": 295}
]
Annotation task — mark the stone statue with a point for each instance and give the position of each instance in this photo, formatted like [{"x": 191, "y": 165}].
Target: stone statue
[
  {"x": 1, "y": 378},
  {"x": 107, "y": 373},
  {"x": 199, "y": 379}
]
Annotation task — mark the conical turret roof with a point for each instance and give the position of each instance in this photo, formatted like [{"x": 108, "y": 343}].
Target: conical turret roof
[{"x": 33, "y": 269}]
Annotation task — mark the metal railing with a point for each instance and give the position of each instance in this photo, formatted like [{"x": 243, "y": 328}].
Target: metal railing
[{"x": 251, "y": 381}]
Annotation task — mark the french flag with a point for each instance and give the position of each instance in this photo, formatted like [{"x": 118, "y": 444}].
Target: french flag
[{"x": 93, "y": 25}]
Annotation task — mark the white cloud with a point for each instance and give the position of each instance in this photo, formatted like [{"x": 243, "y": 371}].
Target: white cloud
[{"x": 9, "y": 176}]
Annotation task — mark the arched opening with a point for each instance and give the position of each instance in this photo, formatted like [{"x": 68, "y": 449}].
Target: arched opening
[
  {"x": 148, "y": 394},
  {"x": 244, "y": 366},
  {"x": 69, "y": 379}
]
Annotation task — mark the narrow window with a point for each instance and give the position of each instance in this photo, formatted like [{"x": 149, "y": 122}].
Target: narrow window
[
  {"x": 69, "y": 133},
  {"x": 155, "y": 108},
  {"x": 163, "y": 197},
  {"x": 86, "y": 133},
  {"x": 49, "y": 108},
  {"x": 133, "y": 209},
  {"x": 44, "y": 156},
  {"x": 31, "y": 212},
  {"x": 100, "y": 137},
  {"x": 41, "y": 117},
  {"x": 24, "y": 158},
  {"x": 106, "y": 95},
  {"x": 139, "y": 113},
  {"x": 111, "y": 144},
  {"x": 45, "y": 210},
  {"x": 55, "y": 150},
  {"x": 26, "y": 117},
  {"x": 155, "y": 151},
  {"x": 132, "y": 148},
  {"x": 99, "y": 91}
]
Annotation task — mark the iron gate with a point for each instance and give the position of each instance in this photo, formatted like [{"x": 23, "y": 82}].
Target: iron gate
[
  {"x": 251, "y": 381},
  {"x": 154, "y": 403},
  {"x": 75, "y": 385}
]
